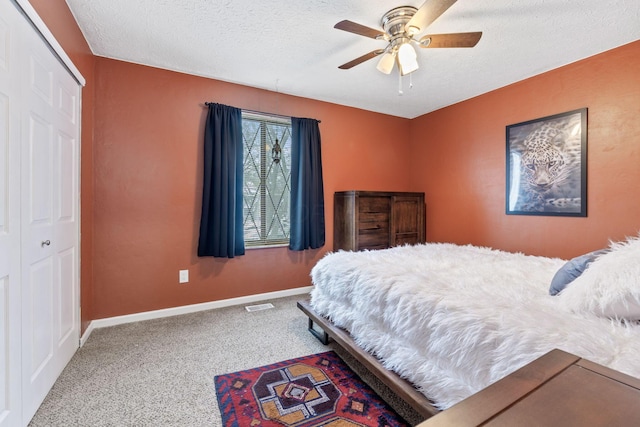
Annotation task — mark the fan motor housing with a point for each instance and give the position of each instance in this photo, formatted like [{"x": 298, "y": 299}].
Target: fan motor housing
[{"x": 394, "y": 21}]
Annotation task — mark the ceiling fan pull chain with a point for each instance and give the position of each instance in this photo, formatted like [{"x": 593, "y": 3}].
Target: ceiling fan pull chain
[
  {"x": 400, "y": 92},
  {"x": 411, "y": 81}
]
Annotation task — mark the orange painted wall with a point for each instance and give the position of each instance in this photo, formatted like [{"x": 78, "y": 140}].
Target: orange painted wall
[
  {"x": 458, "y": 156},
  {"x": 147, "y": 154},
  {"x": 62, "y": 24}
]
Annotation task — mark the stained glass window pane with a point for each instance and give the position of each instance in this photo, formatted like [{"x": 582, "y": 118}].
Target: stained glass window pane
[{"x": 266, "y": 180}]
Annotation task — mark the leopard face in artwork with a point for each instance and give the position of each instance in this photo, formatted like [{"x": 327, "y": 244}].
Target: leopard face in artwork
[
  {"x": 543, "y": 164},
  {"x": 550, "y": 168}
]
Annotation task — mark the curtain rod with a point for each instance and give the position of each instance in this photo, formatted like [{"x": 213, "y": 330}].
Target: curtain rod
[{"x": 206, "y": 104}]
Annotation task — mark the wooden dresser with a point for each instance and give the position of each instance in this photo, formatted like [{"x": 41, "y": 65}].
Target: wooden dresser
[
  {"x": 558, "y": 389},
  {"x": 377, "y": 220}
]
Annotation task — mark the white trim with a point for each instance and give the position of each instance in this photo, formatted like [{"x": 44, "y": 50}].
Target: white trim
[
  {"x": 266, "y": 117},
  {"x": 185, "y": 309},
  {"x": 85, "y": 335},
  {"x": 279, "y": 245},
  {"x": 40, "y": 26}
]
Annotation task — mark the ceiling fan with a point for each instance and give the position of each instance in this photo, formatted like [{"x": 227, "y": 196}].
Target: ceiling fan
[{"x": 401, "y": 26}]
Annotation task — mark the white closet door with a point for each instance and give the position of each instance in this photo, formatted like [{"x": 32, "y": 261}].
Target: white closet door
[
  {"x": 39, "y": 217},
  {"x": 49, "y": 219},
  {"x": 10, "y": 355}
]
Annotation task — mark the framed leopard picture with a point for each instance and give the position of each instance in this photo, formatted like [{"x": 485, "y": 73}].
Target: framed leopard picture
[{"x": 547, "y": 166}]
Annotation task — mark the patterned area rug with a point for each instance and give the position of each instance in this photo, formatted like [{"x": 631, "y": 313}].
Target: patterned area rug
[{"x": 316, "y": 390}]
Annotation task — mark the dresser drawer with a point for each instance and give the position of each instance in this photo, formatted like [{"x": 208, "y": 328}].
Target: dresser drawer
[
  {"x": 373, "y": 221},
  {"x": 373, "y": 205},
  {"x": 373, "y": 239},
  {"x": 406, "y": 239}
]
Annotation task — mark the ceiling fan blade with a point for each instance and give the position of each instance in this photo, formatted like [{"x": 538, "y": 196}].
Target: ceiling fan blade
[
  {"x": 356, "y": 28},
  {"x": 428, "y": 12},
  {"x": 361, "y": 59},
  {"x": 450, "y": 40}
]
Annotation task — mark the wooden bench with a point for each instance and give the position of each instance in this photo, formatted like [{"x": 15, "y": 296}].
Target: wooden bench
[{"x": 557, "y": 389}]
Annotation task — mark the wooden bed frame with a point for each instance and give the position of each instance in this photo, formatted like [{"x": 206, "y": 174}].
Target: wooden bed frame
[{"x": 404, "y": 389}]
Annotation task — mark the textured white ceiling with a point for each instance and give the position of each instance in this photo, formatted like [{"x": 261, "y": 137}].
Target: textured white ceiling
[{"x": 291, "y": 45}]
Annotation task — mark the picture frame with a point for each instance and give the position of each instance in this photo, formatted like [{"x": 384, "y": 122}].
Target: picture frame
[{"x": 547, "y": 165}]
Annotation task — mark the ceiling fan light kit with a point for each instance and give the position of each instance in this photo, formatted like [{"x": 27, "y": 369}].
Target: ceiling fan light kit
[
  {"x": 407, "y": 59},
  {"x": 385, "y": 65},
  {"x": 401, "y": 25}
]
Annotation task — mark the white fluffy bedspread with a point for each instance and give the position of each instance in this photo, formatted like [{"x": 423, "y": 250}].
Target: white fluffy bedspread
[{"x": 454, "y": 319}]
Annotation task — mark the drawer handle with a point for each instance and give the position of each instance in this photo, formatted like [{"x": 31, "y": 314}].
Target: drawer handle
[{"x": 45, "y": 243}]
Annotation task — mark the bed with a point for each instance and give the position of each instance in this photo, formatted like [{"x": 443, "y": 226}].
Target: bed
[{"x": 451, "y": 320}]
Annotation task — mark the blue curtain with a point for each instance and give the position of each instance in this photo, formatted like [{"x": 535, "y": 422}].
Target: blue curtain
[
  {"x": 221, "y": 232},
  {"x": 307, "y": 193}
]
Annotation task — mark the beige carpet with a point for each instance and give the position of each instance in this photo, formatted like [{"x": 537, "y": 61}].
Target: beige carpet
[{"x": 160, "y": 372}]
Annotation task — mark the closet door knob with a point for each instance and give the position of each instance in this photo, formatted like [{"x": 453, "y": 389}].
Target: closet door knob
[{"x": 45, "y": 243}]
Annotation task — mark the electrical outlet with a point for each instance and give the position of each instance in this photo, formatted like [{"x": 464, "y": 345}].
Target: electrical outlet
[{"x": 184, "y": 276}]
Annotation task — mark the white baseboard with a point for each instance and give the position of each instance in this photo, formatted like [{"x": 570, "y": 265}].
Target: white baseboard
[{"x": 185, "y": 309}]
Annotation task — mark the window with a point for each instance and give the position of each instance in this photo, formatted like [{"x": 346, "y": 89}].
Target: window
[{"x": 266, "y": 188}]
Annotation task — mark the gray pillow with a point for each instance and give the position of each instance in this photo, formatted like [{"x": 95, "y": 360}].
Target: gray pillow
[{"x": 572, "y": 270}]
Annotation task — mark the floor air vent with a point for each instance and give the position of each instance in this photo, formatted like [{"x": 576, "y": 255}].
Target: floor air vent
[{"x": 259, "y": 307}]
